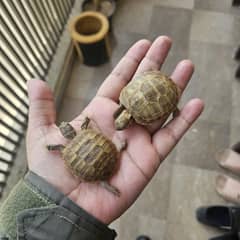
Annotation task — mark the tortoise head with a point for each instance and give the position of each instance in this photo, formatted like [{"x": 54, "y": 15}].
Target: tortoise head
[{"x": 122, "y": 118}]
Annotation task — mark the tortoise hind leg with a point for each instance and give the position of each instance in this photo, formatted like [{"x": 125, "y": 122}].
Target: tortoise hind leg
[
  {"x": 110, "y": 188},
  {"x": 67, "y": 130}
]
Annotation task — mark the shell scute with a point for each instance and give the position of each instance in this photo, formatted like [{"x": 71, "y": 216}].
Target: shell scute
[
  {"x": 149, "y": 96},
  {"x": 90, "y": 156}
]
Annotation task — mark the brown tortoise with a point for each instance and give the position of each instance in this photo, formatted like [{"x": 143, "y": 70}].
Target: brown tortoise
[
  {"x": 89, "y": 155},
  {"x": 148, "y": 97}
]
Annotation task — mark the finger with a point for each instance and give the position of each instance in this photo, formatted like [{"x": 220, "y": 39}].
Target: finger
[
  {"x": 181, "y": 76},
  {"x": 41, "y": 104},
  {"x": 166, "y": 138},
  {"x": 228, "y": 188},
  {"x": 124, "y": 71},
  {"x": 229, "y": 159},
  {"x": 156, "y": 55}
]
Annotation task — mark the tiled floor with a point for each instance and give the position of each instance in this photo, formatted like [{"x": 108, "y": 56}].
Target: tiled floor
[{"x": 206, "y": 31}]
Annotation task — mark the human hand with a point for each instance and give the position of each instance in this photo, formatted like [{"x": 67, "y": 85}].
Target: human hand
[{"x": 147, "y": 146}]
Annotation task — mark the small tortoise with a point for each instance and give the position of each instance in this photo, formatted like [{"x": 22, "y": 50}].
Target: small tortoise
[
  {"x": 89, "y": 155},
  {"x": 148, "y": 97}
]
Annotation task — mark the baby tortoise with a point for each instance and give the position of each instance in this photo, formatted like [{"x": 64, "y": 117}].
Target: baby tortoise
[
  {"x": 89, "y": 155},
  {"x": 148, "y": 97}
]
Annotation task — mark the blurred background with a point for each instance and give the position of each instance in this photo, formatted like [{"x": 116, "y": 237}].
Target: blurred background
[{"x": 36, "y": 43}]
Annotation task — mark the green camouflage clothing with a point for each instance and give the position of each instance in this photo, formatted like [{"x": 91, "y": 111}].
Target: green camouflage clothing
[{"x": 35, "y": 210}]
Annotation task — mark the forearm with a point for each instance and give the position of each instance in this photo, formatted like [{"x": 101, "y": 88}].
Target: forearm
[{"x": 36, "y": 210}]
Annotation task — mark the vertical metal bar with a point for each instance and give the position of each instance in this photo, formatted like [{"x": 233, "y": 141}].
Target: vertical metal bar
[
  {"x": 58, "y": 4},
  {"x": 12, "y": 91},
  {"x": 46, "y": 47},
  {"x": 35, "y": 49},
  {"x": 31, "y": 30},
  {"x": 43, "y": 18},
  {"x": 24, "y": 39},
  {"x": 5, "y": 172},
  {"x": 26, "y": 13},
  {"x": 24, "y": 54},
  {"x": 18, "y": 110},
  {"x": 68, "y": 5},
  {"x": 18, "y": 71},
  {"x": 60, "y": 18},
  {"x": 10, "y": 152},
  {"x": 23, "y": 124},
  {"x": 65, "y": 6},
  {"x": 16, "y": 96},
  {"x": 3, "y": 96},
  {"x": 57, "y": 24},
  {"x": 50, "y": 20},
  {"x": 9, "y": 139},
  {"x": 6, "y": 125},
  {"x": 63, "y": 10},
  {"x": 10, "y": 162}
]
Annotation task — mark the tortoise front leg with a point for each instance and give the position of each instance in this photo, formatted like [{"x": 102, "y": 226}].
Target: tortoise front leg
[
  {"x": 67, "y": 130},
  {"x": 57, "y": 147},
  {"x": 85, "y": 123}
]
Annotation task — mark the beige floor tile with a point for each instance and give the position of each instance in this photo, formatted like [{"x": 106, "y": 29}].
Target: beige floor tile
[
  {"x": 187, "y": 4},
  {"x": 132, "y": 225},
  {"x": 152, "y": 227},
  {"x": 217, "y": 6},
  {"x": 79, "y": 81},
  {"x": 215, "y": 27},
  {"x": 148, "y": 214},
  {"x": 173, "y": 22},
  {"x": 155, "y": 197},
  {"x": 115, "y": 225},
  {"x": 234, "y": 134},
  {"x": 133, "y": 16},
  {"x": 190, "y": 189},
  {"x": 235, "y": 111},
  {"x": 128, "y": 227},
  {"x": 201, "y": 143},
  {"x": 71, "y": 108},
  {"x": 212, "y": 79}
]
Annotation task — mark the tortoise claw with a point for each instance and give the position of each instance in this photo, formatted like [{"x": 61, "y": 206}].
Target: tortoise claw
[
  {"x": 176, "y": 113},
  {"x": 57, "y": 147},
  {"x": 85, "y": 123}
]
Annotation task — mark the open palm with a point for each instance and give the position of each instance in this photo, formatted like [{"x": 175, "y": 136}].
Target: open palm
[{"x": 146, "y": 149}]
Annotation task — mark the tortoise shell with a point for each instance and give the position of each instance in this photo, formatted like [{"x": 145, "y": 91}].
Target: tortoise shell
[
  {"x": 150, "y": 96},
  {"x": 90, "y": 156}
]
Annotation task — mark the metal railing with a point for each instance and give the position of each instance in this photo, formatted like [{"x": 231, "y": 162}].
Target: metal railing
[{"x": 30, "y": 31}]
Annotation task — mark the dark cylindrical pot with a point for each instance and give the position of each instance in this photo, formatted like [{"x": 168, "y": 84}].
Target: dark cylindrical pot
[{"x": 89, "y": 32}]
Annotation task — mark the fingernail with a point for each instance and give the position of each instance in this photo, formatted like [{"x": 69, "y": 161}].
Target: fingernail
[
  {"x": 222, "y": 156},
  {"x": 220, "y": 182}
]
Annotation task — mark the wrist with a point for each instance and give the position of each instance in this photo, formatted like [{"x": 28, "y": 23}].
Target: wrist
[{"x": 36, "y": 207}]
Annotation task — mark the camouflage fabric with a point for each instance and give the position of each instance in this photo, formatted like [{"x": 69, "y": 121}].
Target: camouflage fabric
[{"x": 36, "y": 210}]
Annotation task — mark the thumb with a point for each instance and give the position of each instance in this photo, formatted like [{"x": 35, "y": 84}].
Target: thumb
[{"x": 41, "y": 104}]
